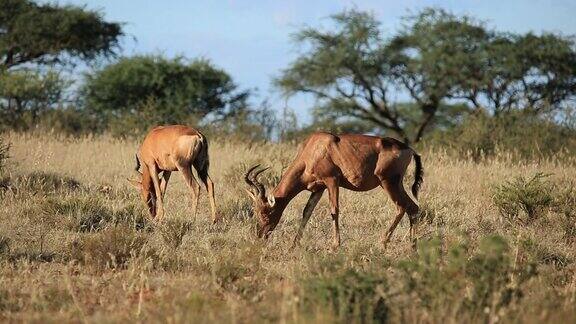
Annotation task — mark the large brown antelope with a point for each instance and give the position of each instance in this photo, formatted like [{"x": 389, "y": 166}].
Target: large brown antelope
[
  {"x": 172, "y": 148},
  {"x": 326, "y": 161}
]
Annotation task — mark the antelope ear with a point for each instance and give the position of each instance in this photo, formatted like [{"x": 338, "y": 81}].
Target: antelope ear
[
  {"x": 250, "y": 194},
  {"x": 271, "y": 200},
  {"x": 135, "y": 183}
]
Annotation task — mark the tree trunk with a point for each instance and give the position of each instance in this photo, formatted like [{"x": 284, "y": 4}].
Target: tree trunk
[{"x": 429, "y": 110}]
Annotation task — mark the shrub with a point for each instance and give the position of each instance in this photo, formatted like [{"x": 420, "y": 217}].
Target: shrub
[
  {"x": 68, "y": 121},
  {"x": 239, "y": 271},
  {"x": 491, "y": 271},
  {"x": 90, "y": 213},
  {"x": 4, "y": 246},
  {"x": 481, "y": 285},
  {"x": 9, "y": 301},
  {"x": 237, "y": 209},
  {"x": 131, "y": 215},
  {"x": 351, "y": 296},
  {"x": 434, "y": 277},
  {"x": 42, "y": 183},
  {"x": 4, "y": 148},
  {"x": 159, "y": 90},
  {"x": 543, "y": 254},
  {"x": 110, "y": 248},
  {"x": 172, "y": 231},
  {"x": 565, "y": 207},
  {"x": 525, "y": 135},
  {"x": 524, "y": 200},
  {"x": 84, "y": 214},
  {"x": 29, "y": 93},
  {"x": 228, "y": 272}
]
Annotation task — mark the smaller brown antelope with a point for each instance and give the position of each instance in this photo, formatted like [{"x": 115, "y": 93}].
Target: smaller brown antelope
[
  {"x": 327, "y": 161},
  {"x": 173, "y": 148}
]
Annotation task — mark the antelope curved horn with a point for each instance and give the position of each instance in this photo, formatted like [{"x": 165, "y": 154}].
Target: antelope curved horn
[
  {"x": 261, "y": 189},
  {"x": 248, "y": 179}
]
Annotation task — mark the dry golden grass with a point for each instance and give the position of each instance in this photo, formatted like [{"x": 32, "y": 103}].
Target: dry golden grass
[{"x": 74, "y": 245}]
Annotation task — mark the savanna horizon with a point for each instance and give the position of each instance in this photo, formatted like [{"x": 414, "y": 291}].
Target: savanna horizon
[{"x": 75, "y": 245}]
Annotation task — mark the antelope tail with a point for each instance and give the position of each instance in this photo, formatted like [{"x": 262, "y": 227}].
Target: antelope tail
[
  {"x": 202, "y": 162},
  {"x": 137, "y": 168},
  {"x": 418, "y": 175}
]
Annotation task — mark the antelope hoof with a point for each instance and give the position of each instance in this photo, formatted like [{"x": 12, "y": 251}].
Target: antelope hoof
[
  {"x": 295, "y": 243},
  {"x": 385, "y": 243},
  {"x": 335, "y": 246},
  {"x": 415, "y": 245}
]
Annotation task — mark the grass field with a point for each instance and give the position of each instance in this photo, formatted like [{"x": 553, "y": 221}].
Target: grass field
[{"x": 75, "y": 244}]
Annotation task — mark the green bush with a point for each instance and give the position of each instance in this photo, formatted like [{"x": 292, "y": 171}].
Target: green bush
[
  {"x": 26, "y": 94},
  {"x": 138, "y": 92},
  {"x": 523, "y": 200},
  {"x": 69, "y": 121},
  {"x": 525, "y": 135},
  {"x": 228, "y": 272},
  {"x": 350, "y": 296},
  {"x": 434, "y": 277},
  {"x": 496, "y": 282},
  {"x": 480, "y": 285}
]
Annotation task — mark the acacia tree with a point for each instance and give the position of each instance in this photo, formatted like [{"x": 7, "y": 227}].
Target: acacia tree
[
  {"x": 433, "y": 54},
  {"x": 48, "y": 33},
  {"x": 32, "y": 35},
  {"x": 440, "y": 55},
  {"x": 532, "y": 73},
  {"x": 348, "y": 69},
  {"x": 355, "y": 72},
  {"x": 437, "y": 58}
]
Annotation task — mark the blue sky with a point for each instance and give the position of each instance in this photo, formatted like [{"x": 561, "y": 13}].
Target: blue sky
[{"x": 251, "y": 39}]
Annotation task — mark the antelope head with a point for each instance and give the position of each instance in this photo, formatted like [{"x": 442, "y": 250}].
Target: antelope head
[
  {"x": 137, "y": 183},
  {"x": 264, "y": 206},
  {"x": 144, "y": 185}
]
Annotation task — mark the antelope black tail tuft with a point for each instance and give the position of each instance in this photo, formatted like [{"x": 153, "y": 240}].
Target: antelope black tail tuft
[
  {"x": 137, "y": 168},
  {"x": 202, "y": 162},
  {"x": 418, "y": 175}
]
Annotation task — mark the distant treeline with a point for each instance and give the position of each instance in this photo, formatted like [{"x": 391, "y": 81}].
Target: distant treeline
[{"x": 463, "y": 85}]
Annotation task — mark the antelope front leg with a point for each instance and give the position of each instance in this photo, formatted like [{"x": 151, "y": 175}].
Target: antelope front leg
[
  {"x": 392, "y": 227},
  {"x": 310, "y": 205},
  {"x": 333, "y": 191},
  {"x": 158, "y": 193}
]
